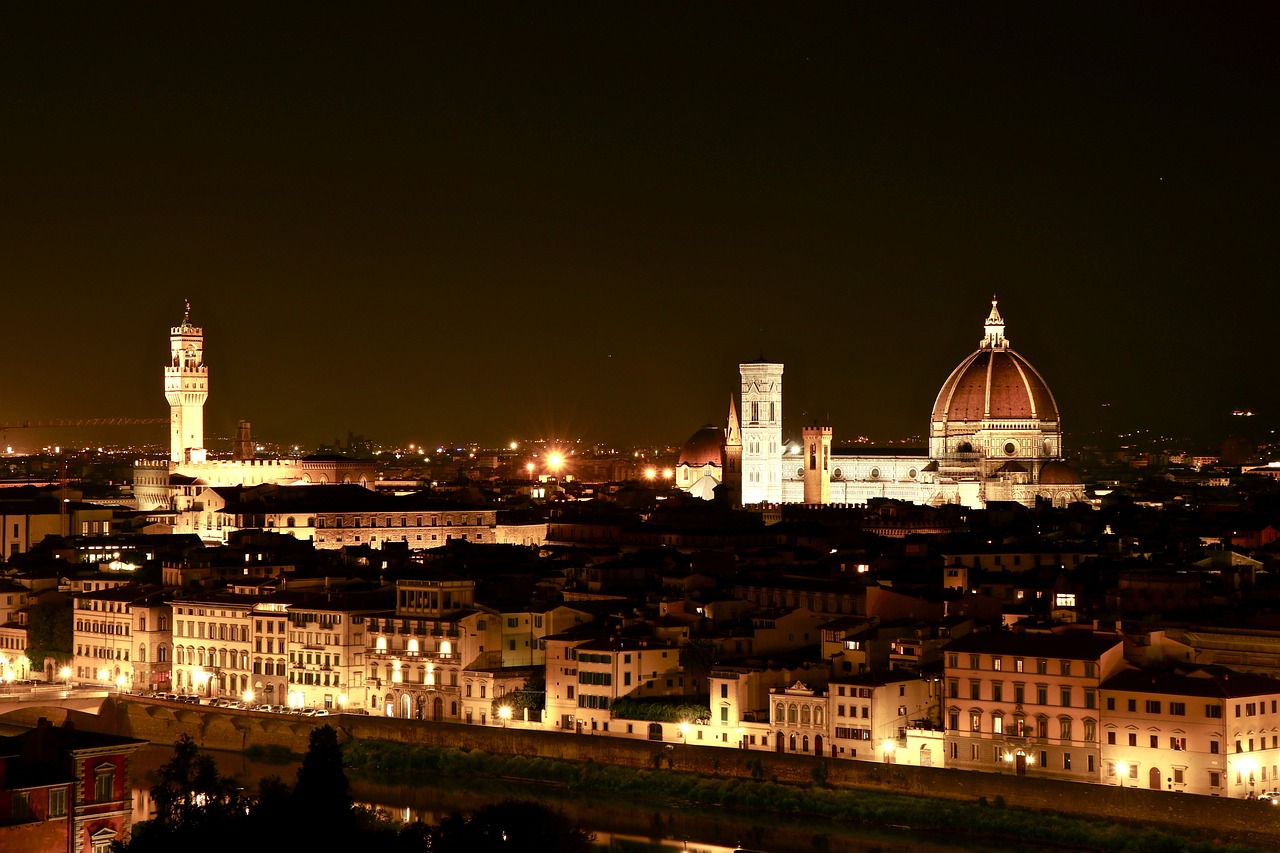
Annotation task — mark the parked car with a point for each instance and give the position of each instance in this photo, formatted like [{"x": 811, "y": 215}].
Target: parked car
[{"x": 1272, "y": 797}]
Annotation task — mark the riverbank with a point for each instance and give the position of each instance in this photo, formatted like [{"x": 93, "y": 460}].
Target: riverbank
[{"x": 830, "y": 808}]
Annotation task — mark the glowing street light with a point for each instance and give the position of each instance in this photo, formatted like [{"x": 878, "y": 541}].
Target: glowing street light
[
  {"x": 121, "y": 681},
  {"x": 684, "y": 732},
  {"x": 1122, "y": 768},
  {"x": 555, "y": 461},
  {"x": 650, "y": 473},
  {"x": 504, "y": 711},
  {"x": 65, "y": 675},
  {"x": 247, "y": 696},
  {"x": 887, "y": 748}
]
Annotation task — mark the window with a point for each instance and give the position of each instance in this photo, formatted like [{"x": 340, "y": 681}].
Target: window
[
  {"x": 1214, "y": 748},
  {"x": 975, "y": 689},
  {"x": 20, "y": 805},
  {"x": 1018, "y": 665},
  {"x": 1042, "y": 667},
  {"x": 104, "y": 783},
  {"x": 1153, "y": 706},
  {"x": 57, "y": 802},
  {"x": 953, "y": 689},
  {"x": 1090, "y": 699},
  {"x": 1066, "y": 697},
  {"x": 1155, "y": 741},
  {"x": 1090, "y": 731},
  {"x": 1042, "y": 694},
  {"x": 1066, "y": 761},
  {"x": 1064, "y": 667},
  {"x": 997, "y": 663},
  {"x": 1178, "y": 709},
  {"x": 1019, "y": 694},
  {"x": 997, "y": 724},
  {"x": 997, "y": 692},
  {"x": 1133, "y": 739},
  {"x": 1111, "y": 738},
  {"x": 1064, "y": 728},
  {"x": 1213, "y": 712},
  {"x": 975, "y": 722},
  {"x": 1178, "y": 743}
]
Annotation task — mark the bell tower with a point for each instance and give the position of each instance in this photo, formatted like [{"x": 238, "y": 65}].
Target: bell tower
[
  {"x": 186, "y": 387},
  {"x": 761, "y": 432}
]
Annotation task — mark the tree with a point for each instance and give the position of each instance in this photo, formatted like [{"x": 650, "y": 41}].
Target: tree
[
  {"x": 194, "y": 805},
  {"x": 322, "y": 787},
  {"x": 696, "y": 659}
]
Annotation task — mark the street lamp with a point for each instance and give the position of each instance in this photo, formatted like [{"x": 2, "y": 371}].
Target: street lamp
[
  {"x": 1249, "y": 766},
  {"x": 248, "y": 698},
  {"x": 504, "y": 711},
  {"x": 1122, "y": 768},
  {"x": 888, "y": 747},
  {"x": 684, "y": 732},
  {"x": 65, "y": 675},
  {"x": 342, "y": 703},
  {"x": 121, "y": 681}
]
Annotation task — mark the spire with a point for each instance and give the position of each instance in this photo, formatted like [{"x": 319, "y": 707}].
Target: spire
[
  {"x": 733, "y": 434},
  {"x": 994, "y": 337},
  {"x": 186, "y": 313}
]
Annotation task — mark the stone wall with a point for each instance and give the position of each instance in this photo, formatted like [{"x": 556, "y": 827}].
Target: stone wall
[{"x": 163, "y": 722}]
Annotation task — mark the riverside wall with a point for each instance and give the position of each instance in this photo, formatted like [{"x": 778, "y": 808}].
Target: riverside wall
[{"x": 1249, "y": 821}]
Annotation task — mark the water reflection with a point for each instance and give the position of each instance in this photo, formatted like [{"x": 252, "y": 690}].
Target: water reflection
[{"x": 618, "y": 825}]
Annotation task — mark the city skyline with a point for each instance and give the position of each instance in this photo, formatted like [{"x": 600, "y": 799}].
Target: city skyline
[{"x": 507, "y": 226}]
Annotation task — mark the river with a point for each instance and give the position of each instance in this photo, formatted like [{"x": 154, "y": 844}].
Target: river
[{"x": 618, "y": 825}]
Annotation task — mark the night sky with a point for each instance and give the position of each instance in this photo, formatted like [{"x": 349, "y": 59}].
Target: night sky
[{"x": 522, "y": 221}]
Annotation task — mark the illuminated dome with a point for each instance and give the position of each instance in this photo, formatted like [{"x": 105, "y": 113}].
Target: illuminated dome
[
  {"x": 995, "y": 383},
  {"x": 704, "y": 447},
  {"x": 1055, "y": 473},
  {"x": 994, "y": 408}
]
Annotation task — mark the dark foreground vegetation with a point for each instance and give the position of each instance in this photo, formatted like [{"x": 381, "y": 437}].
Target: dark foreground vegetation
[{"x": 197, "y": 810}]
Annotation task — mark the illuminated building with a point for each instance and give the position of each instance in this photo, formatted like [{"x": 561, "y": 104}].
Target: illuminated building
[
  {"x": 995, "y": 434},
  {"x": 417, "y": 653},
  {"x": 62, "y": 788},
  {"x": 1215, "y": 733},
  {"x": 174, "y": 484},
  {"x": 1028, "y": 704}
]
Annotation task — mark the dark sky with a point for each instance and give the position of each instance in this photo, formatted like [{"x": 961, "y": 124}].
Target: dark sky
[{"x": 529, "y": 220}]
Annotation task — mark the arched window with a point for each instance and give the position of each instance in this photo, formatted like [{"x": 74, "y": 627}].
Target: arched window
[
  {"x": 817, "y": 716},
  {"x": 805, "y": 748},
  {"x": 164, "y": 623},
  {"x": 804, "y": 715},
  {"x": 181, "y": 658},
  {"x": 792, "y": 714},
  {"x": 780, "y": 713},
  {"x": 142, "y": 654},
  {"x": 792, "y": 742}
]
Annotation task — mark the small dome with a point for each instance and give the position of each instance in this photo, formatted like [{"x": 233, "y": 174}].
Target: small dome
[
  {"x": 1057, "y": 473},
  {"x": 704, "y": 447}
]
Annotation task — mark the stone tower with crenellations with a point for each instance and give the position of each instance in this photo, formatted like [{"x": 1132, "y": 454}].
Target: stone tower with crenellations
[{"x": 186, "y": 387}]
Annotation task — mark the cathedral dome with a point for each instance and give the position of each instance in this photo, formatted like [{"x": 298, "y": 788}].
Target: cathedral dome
[
  {"x": 1057, "y": 473},
  {"x": 704, "y": 447},
  {"x": 994, "y": 384}
]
